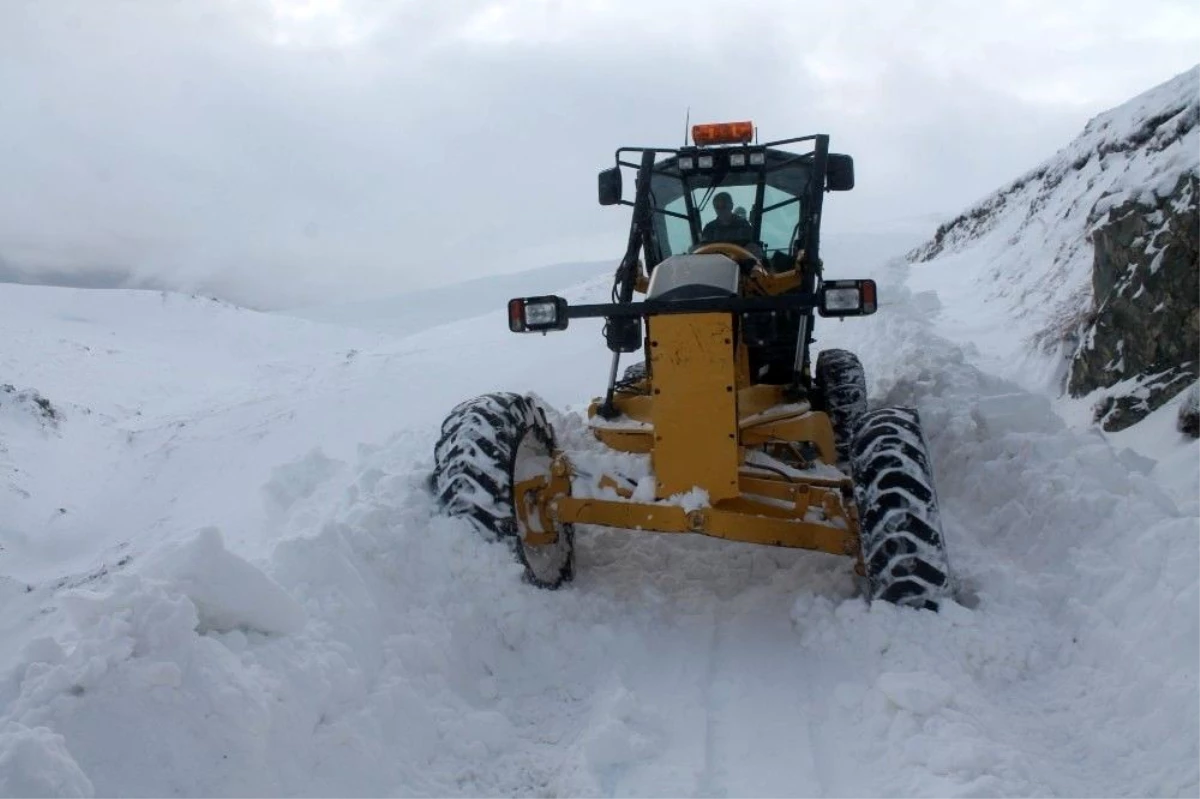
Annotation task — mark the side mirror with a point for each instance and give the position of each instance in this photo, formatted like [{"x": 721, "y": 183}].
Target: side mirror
[
  {"x": 839, "y": 172},
  {"x": 610, "y": 186}
]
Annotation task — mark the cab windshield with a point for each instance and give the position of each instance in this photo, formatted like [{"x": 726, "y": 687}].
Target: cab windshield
[{"x": 768, "y": 198}]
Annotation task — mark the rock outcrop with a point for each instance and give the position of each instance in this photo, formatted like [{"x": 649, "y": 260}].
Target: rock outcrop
[{"x": 1142, "y": 340}]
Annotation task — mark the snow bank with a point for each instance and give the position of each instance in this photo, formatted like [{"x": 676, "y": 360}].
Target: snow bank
[
  {"x": 35, "y": 762},
  {"x": 229, "y": 593},
  {"x": 338, "y": 637}
]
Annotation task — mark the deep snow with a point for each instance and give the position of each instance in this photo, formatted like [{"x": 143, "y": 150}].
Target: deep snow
[{"x": 223, "y": 575}]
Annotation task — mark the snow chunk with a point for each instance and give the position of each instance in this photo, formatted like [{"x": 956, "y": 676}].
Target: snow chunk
[
  {"x": 695, "y": 499},
  {"x": 229, "y": 592},
  {"x": 645, "y": 490},
  {"x": 35, "y": 762},
  {"x": 927, "y": 302},
  {"x": 917, "y": 692},
  {"x": 1016, "y": 412},
  {"x": 623, "y": 732},
  {"x": 1136, "y": 462},
  {"x": 294, "y": 482}
]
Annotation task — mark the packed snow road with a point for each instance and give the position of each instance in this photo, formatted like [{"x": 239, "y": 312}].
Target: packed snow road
[{"x": 249, "y": 591}]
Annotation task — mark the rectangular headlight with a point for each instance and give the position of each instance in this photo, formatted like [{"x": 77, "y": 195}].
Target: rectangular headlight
[
  {"x": 686, "y": 163},
  {"x": 705, "y": 161},
  {"x": 847, "y": 298},
  {"x": 537, "y": 314},
  {"x": 545, "y": 314},
  {"x": 838, "y": 300},
  {"x": 758, "y": 158},
  {"x": 737, "y": 159}
]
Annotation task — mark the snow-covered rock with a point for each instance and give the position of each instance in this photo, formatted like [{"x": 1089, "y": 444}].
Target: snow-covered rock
[
  {"x": 1144, "y": 325},
  {"x": 1189, "y": 412},
  {"x": 1091, "y": 257}
]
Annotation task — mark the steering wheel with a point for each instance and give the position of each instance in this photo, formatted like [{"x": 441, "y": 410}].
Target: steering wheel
[{"x": 734, "y": 252}]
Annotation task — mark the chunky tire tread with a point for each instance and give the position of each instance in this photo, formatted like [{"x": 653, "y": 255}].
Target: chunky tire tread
[
  {"x": 475, "y": 457},
  {"x": 634, "y": 372},
  {"x": 841, "y": 393},
  {"x": 903, "y": 549}
]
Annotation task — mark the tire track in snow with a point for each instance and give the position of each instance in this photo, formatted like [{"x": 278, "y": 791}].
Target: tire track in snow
[
  {"x": 758, "y": 702},
  {"x": 708, "y": 782}
]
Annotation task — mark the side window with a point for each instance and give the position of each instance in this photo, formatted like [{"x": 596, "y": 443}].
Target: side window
[
  {"x": 679, "y": 233},
  {"x": 779, "y": 224}
]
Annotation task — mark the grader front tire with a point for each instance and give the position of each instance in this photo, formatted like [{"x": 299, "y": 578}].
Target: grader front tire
[{"x": 486, "y": 445}]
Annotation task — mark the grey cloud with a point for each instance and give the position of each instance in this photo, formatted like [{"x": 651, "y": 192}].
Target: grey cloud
[{"x": 218, "y": 146}]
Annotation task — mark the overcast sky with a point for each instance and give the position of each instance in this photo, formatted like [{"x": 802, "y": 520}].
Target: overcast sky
[{"x": 282, "y": 152}]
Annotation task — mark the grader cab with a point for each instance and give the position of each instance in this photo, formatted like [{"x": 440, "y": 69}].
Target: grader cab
[{"x": 736, "y": 433}]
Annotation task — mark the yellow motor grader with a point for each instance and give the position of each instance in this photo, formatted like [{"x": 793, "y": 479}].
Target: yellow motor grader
[{"x": 735, "y": 433}]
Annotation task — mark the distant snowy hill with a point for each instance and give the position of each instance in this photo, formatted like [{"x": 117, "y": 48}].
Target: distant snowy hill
[
  {"x": 418, "y": 310},
  {"x": 401, "y": 314},
  {"x": 1030, "y": 249}
]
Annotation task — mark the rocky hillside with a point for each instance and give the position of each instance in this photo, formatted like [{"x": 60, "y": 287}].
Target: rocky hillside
[{"x": 1094, "y": 253}]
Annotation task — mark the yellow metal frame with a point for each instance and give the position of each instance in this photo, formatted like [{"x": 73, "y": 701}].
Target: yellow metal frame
[
  {"x": 813, "y": 514},
  {"x": 694, "y": 412},
  {"x": 698, "y": 415}
]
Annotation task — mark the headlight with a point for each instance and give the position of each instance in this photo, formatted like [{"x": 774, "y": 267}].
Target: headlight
[
  {"x": 847, "y": 298},
  {"x": 537, "y": 314},
  {"x": 842, "y": 299},
  {"x": 541, "y": 314},
  {"x": 737, "y": 159},
  {"x": 705, "y": 161},
  {"x": 686, "y": 163},
  {"x": 758, "y": 158}
]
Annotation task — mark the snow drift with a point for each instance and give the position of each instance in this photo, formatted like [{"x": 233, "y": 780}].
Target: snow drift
[{"x": 222, "y": 574}]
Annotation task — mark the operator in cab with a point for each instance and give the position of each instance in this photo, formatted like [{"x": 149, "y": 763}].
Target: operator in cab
[{"x": 728, "y": 226}]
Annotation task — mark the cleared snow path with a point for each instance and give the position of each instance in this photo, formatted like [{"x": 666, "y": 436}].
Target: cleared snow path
[{"x": 336, "y": 637}]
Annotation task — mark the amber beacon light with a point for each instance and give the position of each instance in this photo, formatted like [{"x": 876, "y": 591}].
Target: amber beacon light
[{"x": 723, "y": 133}]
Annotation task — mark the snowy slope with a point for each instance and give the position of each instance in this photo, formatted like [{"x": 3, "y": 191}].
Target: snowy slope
[
  {"x": 1011, "y": 277},
  {"x": 1014, "y": 272},
  {"x": 250, "y": 591},
  {"x": 417, "y": 310}
]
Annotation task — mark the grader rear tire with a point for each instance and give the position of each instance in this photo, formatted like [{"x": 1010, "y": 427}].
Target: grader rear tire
[{"x": 841, "y": 393}]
